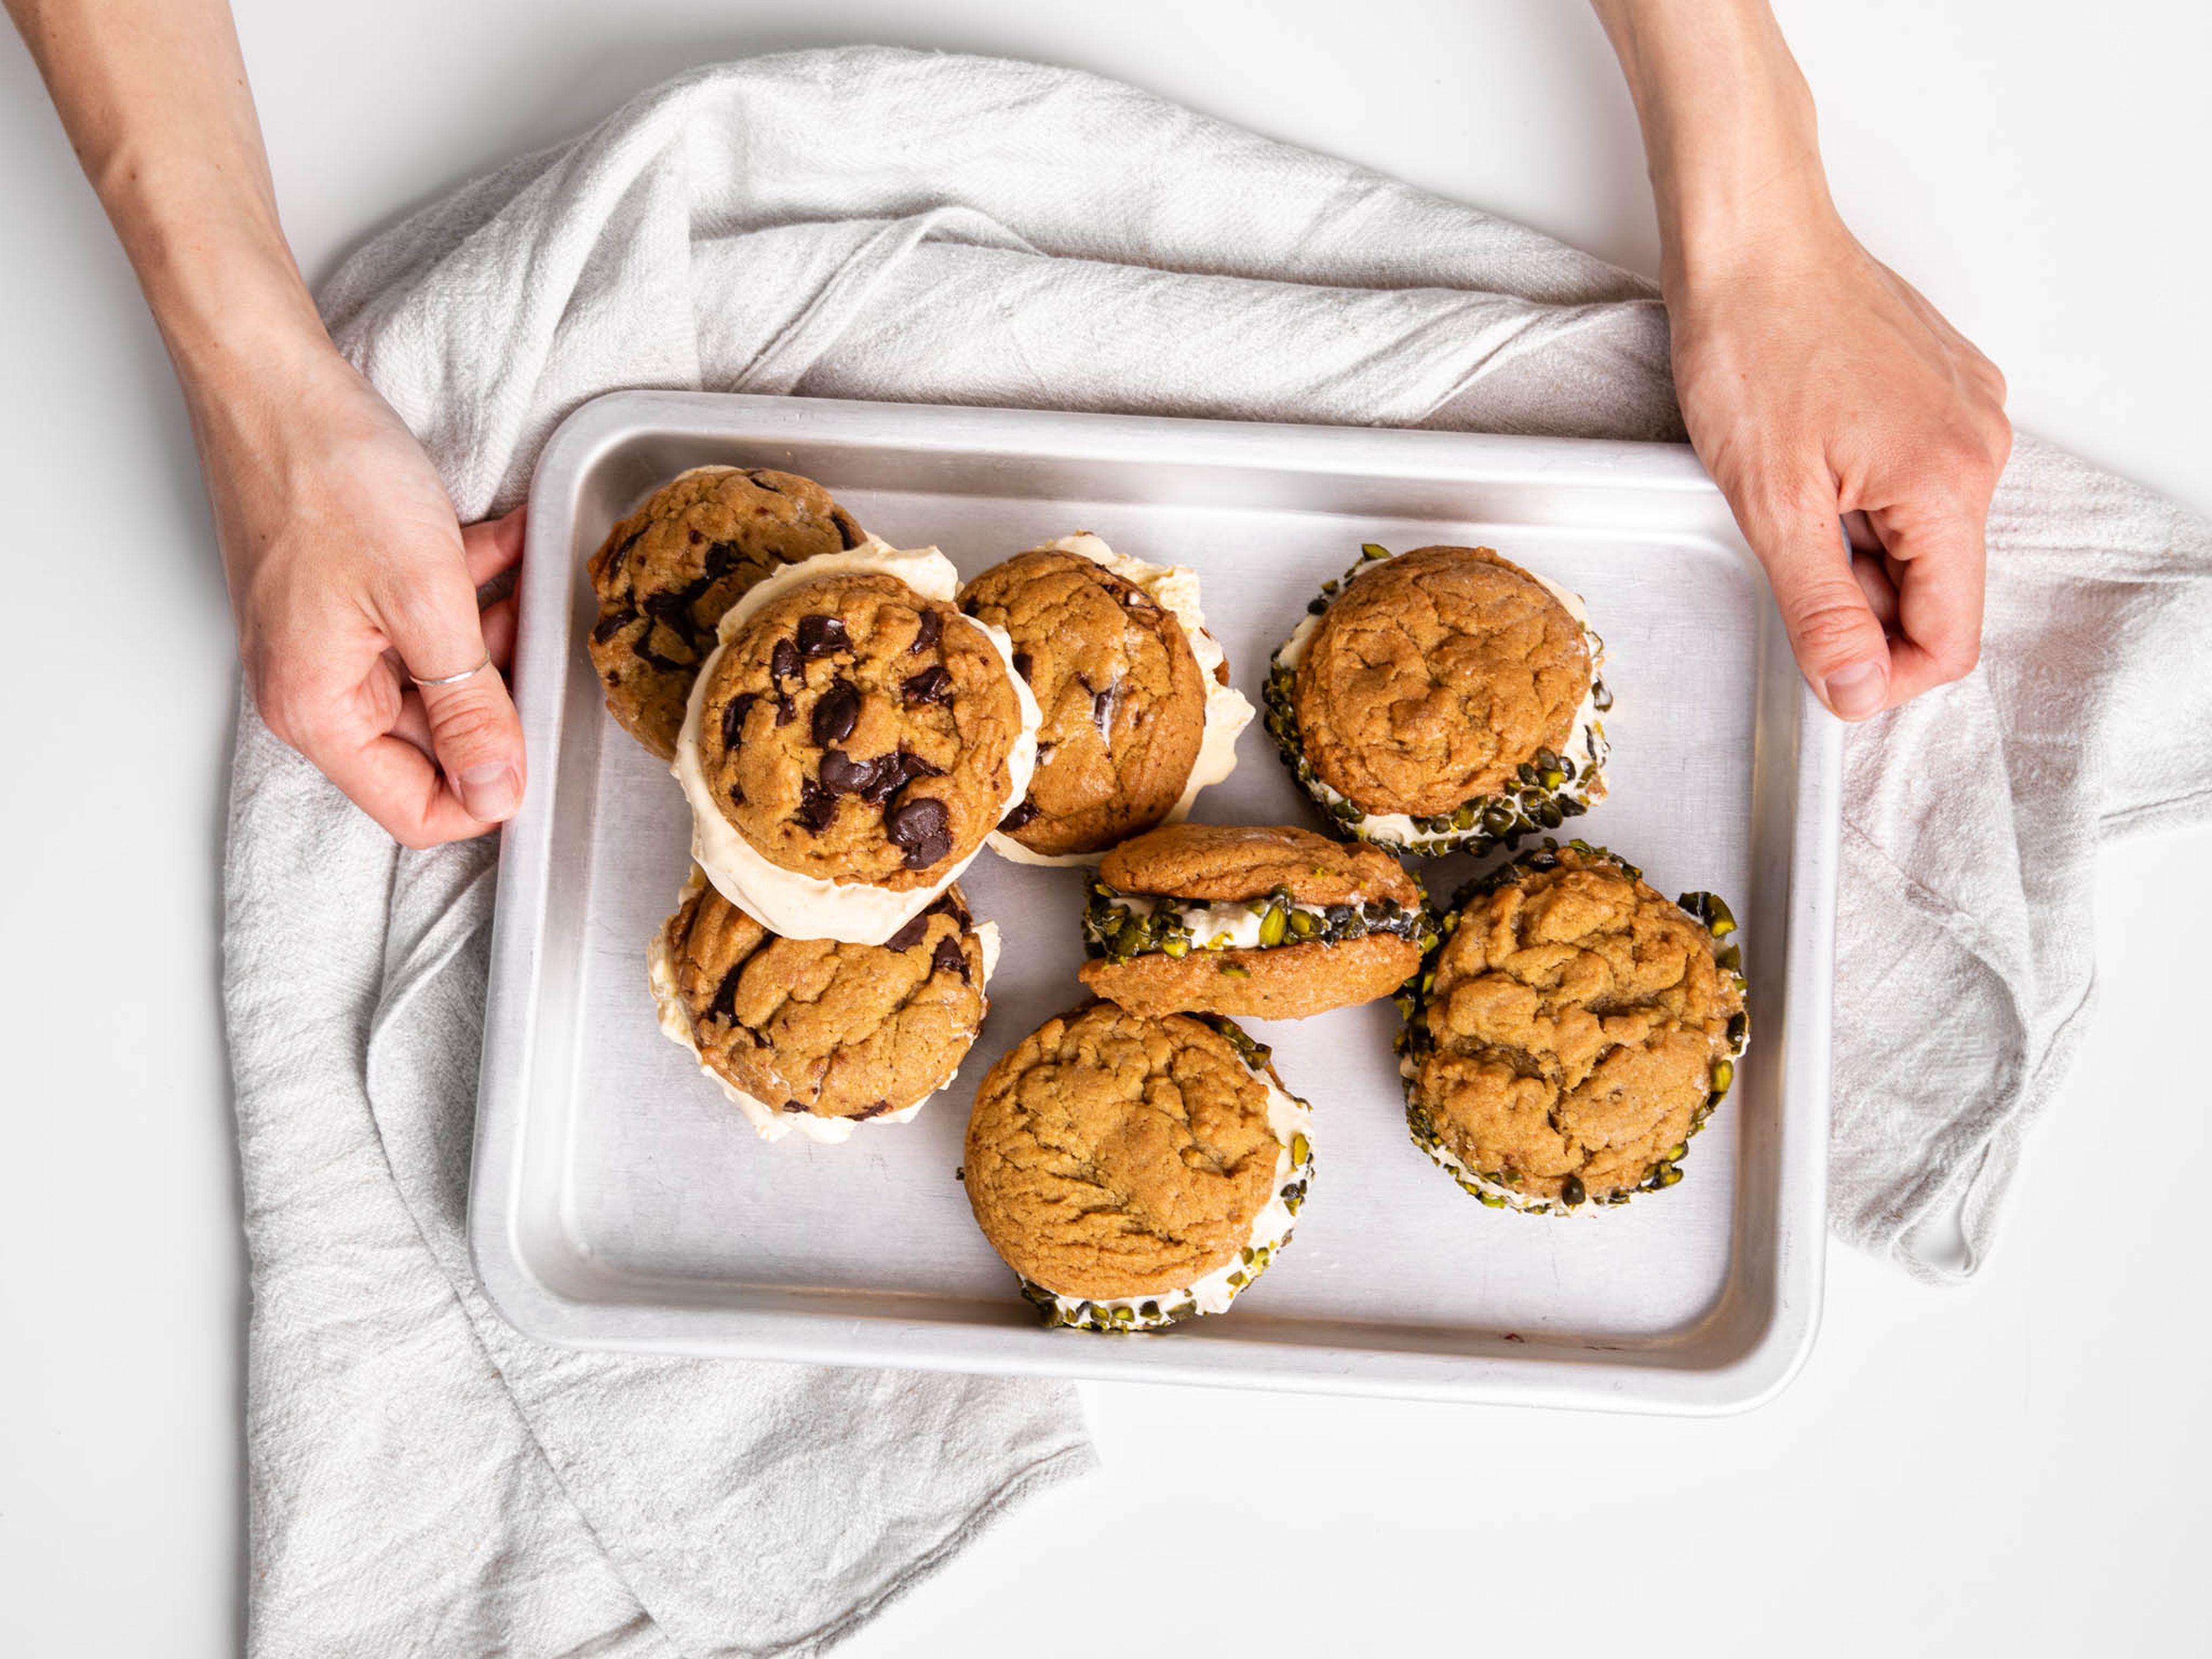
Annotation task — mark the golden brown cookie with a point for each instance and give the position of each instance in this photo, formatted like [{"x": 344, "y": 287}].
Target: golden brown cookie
[
  {"x": 1575, "y": 1031},
  {"x": 1441, "y": 699},
  {"x": 852, "y": 731},
  {"x": 814, "y": 1035},
  {"x": 665, "y": 575},
  {"x": 1134, "y": 1171},
  {"x": 1123, "y": 703},
  {"x": 1272, "y": 923}
]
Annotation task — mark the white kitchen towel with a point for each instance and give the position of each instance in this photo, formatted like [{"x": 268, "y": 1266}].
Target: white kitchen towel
[{"x": 886, "y": 224}]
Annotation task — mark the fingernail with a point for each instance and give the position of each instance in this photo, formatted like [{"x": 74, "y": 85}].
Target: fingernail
[
  {"x": 490, "y": 792},
  {"x": 1856, "y": 691}
]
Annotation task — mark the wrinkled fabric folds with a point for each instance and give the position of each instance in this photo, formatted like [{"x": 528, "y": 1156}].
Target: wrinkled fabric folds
[{"x": 883, "y": 224}]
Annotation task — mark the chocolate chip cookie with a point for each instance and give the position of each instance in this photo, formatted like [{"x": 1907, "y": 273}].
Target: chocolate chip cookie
[
  {"x": 850, "y": 743},
  {"x": 1135, "y": 1171},
  {"x": 665, "y": 575},
  {"x": 1273, "y": 923},
  {"x": 1441, "y": 699},
  {"x": 1122, "y": 700},
  {"x": 1574, "y": 1031},
  {"x": 817, "y": 1036}
]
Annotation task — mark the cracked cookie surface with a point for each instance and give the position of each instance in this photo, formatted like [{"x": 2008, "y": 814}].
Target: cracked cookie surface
[
  {"x": 665, "y": 575},
  {"x": 1110, "y": 1154},
  {"x": 1244, "y": 861},
  {"x": 1572, "y": 1030},
  {"x": 855, "y": 731},
  {"x": 814, "y": 1026},
  {"x": 1434, "y": 677},
  {"x": 1123, "y": 701}
]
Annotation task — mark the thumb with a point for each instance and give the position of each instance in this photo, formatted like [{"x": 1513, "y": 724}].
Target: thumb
[
  {"x": 1838, "y": 638},
  {"x": 475, "y": 734}
]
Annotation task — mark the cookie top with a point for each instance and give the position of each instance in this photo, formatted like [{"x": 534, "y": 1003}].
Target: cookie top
[
  {"x": 1110, "y": 1155},
  {"x": 1122, "y": 699},
  {"x": 1577, "y": 1026},
  {"x": 855, "y": 731},
  {"x": 665, "y": 575},
  {"x": 1434, "y": 677},
  {"x": 1247, "y": 861},
  {"x": 813, "y": 1027}
]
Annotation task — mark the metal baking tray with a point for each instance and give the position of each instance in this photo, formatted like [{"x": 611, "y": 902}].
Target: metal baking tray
[{"x": 617, "y": 1202}]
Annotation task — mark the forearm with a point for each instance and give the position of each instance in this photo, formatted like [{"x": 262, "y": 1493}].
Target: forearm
[
  {"x": 1729, "y": 132},
  {"x": 153, "y": 97}
]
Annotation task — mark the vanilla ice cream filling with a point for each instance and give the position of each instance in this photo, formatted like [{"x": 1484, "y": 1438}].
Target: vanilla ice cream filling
[
  {"x": 1235, "y": 923},
  {"x": 1175, "y": 589},
  {"x": 789, "y": 901},
  {"x": 1587, "y": 745},
  {"x": 1290, "y": 1120},
  {"x": 676, "y": 1024}
]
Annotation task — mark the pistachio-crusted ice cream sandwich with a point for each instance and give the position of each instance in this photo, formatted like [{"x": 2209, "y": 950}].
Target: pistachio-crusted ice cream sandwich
[
  {"x": 1133, "y": 1171},
  {"x": 1445, "y": 698},
  {"x": 850, "y": 743},
  {"x": 1268, "y": 922},
  {"x": 1138, "y": 712},
  {"x": 1575, "y": 1031},
  {"x": 816, "y": 1037}
]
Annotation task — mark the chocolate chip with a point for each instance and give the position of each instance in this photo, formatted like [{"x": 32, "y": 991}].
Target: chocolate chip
[
  {"x": 694, "y": 537},
  {"x": 794, "y": 1105},
  {"x": 818, "y": 637},
  {"x": 642, "y": 648},
  {"x": 922, "y": 827},
  {"x": 910, "y": 935},
  {"x": 835, "y": 713},
  {"x": 947, "y": 905},
  {"x": 874, "y": 780},
  {"x": 900, "y": 770},
  {"x": 817, "y": 807},
  {"x": 874, "y": 1108},
  {"x": 783, "y": 661},
  {"x": 926, "y": 635},
  {"x": 725, "y": 1005},
  {"x": 613, "y": 623},
  {"x": 785, "y": 710},
  {"x": 933, "y": 684},
  {"x": 721, "y": 559},
  {"x": 843, "y": 776},
  {"x": 949, "y": 957},
  {"x": 733, "y": 717},
  {"x": 615, "y": 559},
  {"x": 967, "y": 607},
  {"x": 737, "y": 794},
  {"x": 1020, "y": 819},
  {"x": 1102, "y": 709},
  {"x": 1022, "y": 664}
]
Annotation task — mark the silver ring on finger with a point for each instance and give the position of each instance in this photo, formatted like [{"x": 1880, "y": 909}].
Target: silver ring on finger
[{"x": 453, "y": 679}]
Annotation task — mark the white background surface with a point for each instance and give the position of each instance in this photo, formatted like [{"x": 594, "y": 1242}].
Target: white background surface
[{"x": 2020, "y": 1467}]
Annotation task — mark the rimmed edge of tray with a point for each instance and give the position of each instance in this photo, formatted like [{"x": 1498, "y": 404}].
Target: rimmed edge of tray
[{"x": 1759, "y": 1348}]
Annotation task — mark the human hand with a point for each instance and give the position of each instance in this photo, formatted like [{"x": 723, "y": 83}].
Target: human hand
[
  {"x": 1815, "y": 384},
  {"x": 349, "y": 572}
]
